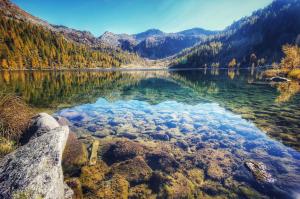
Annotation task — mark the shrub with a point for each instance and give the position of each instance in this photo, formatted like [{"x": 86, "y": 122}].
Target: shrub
[
  {"x": 6, "y": 146},
  {"x": 14, "y": 117}
]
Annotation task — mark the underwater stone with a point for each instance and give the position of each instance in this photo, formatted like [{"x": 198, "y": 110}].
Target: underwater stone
[
  {"x": 122, "y": 150},
  {"x": 94, "y": 152},
  {"x": 160, "y": 136},
  {"x": 135, "y": 170},
  {"x": 130, "y": 136},
  {"x": 259, "y": 171},
  {"x": 171, "y": 124},
  {"x": 162, "y": 161},
  {"x": 182, "y": 144},
  {"x": 92, "y": 129}
]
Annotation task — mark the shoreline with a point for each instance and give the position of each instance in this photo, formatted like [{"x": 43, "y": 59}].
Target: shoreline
[{"x": 123, "y": 69}]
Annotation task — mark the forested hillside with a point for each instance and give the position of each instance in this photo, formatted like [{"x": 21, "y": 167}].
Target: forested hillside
[
  {"x": 26, "y": 45},
  {"x": 257, "y": 39}
]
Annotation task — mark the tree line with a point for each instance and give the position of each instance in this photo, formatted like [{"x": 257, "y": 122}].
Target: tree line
[{"x": 28, "y": 46}]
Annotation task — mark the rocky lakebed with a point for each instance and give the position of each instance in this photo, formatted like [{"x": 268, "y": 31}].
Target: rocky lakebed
[
  {"x": 174, "y": 150},
  {"x": 194, "y": 134}
]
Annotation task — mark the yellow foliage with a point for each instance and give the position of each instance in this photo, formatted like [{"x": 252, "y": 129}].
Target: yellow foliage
[
  {"x": 232, "y": 63},
  {"x": 292, "y": 56},
  {"x": 6, "y": 146},
  {"x": 295, "y": 74}
]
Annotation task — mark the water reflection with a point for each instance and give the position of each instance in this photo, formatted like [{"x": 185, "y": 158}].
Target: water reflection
[
  {"x": 223, "y": 114},
  {"x": 274, "y": 109}
]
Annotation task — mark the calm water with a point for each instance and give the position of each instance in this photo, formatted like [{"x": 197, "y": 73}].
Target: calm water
[{"x": 235, "y": 111}]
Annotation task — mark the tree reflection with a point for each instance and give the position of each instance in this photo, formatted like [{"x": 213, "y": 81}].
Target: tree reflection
[{"x": 287, "y": 91}]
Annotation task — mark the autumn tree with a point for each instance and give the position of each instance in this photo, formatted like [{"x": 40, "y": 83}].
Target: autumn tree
[
  {"x": 291, "y": 56},
  {"x": 232, "y": 63},
  {"x": 25, "y": 45},
  {"x": 4, "y": 64}
]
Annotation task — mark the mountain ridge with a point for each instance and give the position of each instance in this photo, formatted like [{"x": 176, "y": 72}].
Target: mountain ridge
[
  {"x": 154, "y": 43},
  {"x": 150, "y": 44},
  {"x": 260, "y": 36}
]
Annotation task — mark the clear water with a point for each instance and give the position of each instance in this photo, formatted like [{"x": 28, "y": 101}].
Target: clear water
[{"x": 236, "y": 112}]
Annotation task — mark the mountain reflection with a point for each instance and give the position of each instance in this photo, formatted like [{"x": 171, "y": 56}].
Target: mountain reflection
[{"x": 274, "y": 109}]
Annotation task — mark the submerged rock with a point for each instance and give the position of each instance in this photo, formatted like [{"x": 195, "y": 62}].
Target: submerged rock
[
  {"x": 160, "y": 136},
  {"x": 182, "y": 144},
  {"x": 34, "y": 170},
  {"x": 141, "y": 192},
  {"x": 122, "y": 150},
  {"x": 179, "y": 186},
  {"x": 135, "y": 170},
  {"x": 91, "y": 176},
  {"x": 162, "y": 161},
  {"x": 130, "y": 136},
  {"x": 75, "y": 156},
  {"x": 94, "y": 152},
  {"x": 75, "y": 185},
  {"x": 259, "y": 171},
  {"x": 117, "y": 187}
]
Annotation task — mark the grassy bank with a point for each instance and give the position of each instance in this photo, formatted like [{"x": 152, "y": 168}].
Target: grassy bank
[{"x": 15, "y": 116}]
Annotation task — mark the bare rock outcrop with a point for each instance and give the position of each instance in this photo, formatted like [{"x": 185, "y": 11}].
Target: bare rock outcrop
[{"x": 34, "y": 170}]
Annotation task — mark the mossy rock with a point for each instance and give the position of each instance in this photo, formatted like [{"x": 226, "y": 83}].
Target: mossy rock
[
  {"x": 215, "y": 189},
  {"x": 135, "y": 170},
  {"x": 157, "y": 181},
  {"x": 92, "y": 176},
  {"x": 162, "y": 161},
  {"x": 217, "y": 163},
  {"x": 121, "y": 151},
  {"x": 75, "y": 185},
  {"x": 196, "y": 176},
  {"x": 249, "y": 193},
  {"x": 74, "y": 157},
  {"x": 115, "y": 188},
  {"x": 141, "y": 192},
  {"x": 214, "y": 171},
  {"x": 179, "y": 186}
]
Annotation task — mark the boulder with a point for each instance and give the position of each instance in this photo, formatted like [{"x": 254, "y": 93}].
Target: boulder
[
  {"x": 62, "y": 121},
  {"x": 34, "y": 170},
  {"x": 40, "y": 124}
]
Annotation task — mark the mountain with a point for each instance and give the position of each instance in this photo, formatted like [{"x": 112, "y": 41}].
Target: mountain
[
  {"x": 155, "y": 44},
  {"x": 257, "y": 39},
  {"x": 29, "y": 42}
]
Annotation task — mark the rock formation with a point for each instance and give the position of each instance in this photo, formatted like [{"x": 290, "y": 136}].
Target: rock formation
[{"x": 34, "y": 170}]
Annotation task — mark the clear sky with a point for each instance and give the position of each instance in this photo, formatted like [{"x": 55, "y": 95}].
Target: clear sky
[{"x": 133, "y": 16}]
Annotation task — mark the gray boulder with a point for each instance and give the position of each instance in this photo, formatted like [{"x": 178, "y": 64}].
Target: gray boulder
[
  {"x": 34, "y": 170},
  {"x": 40, "y": 124}
]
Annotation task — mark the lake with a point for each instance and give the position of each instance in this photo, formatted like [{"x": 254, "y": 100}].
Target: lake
[{"x": 216, "y": 118}]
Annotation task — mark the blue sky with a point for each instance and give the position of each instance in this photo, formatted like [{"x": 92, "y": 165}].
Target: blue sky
[{"x": 133, "y": 16}]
